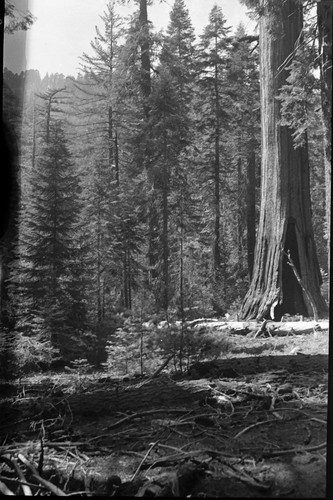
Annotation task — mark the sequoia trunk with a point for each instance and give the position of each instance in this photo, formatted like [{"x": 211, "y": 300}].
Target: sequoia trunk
[
  {"x": 145, "y": 54},
  {"x": 285, "y": 224},
  {"x": 324, "y": 18}
]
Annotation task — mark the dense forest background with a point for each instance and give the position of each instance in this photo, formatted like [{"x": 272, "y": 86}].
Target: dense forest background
[{"x": 139, "y": 181}]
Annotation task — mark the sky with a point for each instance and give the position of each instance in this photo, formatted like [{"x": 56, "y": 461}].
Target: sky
[{"x": 64, "y": 29}]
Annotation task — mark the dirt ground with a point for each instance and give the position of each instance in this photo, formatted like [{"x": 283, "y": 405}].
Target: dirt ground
[{"x": 257, "y": 431}]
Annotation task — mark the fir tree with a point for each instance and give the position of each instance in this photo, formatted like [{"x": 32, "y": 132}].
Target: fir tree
[
  {"x": 102, "y": 122},
  {"x": 212, "y": 62},
  {"x": 49, "y": 281},
  {"x": 243, "y": 90},
  {"x": 169, "y": 131},
  {"x": 16, "y": 20},
  {"x": 165, "y": 124}
]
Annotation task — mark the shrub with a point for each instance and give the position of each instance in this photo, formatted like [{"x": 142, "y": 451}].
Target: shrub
[
  {"x": 97, "y": 354},
  {"x": 234, "y": 309},
  {"x": 193, "y": 345},
  {"x": 33, "y": 353}
]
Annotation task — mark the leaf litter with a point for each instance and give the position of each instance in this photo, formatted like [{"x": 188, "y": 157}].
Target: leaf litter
[{"x": 260, "y": 434}]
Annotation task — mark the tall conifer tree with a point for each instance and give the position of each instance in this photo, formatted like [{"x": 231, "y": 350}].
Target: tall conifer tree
[
  {"x": 212, "y": 63},
  {"x": 48, "y": 282},
  {"x": 172, "y": 110}
]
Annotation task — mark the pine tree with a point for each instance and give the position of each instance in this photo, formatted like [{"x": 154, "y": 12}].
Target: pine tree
[
  {"x": 165, "y": 125},
  {"x": 97, "y": 89},
  {"x": 138, "y": 59},
  {"x": 102, "y": 122},
  {"x": 48, "y": 275},
  {"x": 243, "y": 90},
  {"x": 16, "y": 20},
  {"x": 169, "y": 129},
  {"x": 212, "y": 62}
]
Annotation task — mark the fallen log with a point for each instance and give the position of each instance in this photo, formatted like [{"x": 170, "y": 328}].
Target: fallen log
[
  {"x": 158, "y": 392},
  {"x": 272, "y": 328},
  {"x": 257, "y": 364}
]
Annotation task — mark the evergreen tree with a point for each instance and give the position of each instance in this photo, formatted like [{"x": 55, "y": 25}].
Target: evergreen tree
[
  {"x": 48, "y": 282},
  {"x": 243, "y": 91},
  {"x": 138, "y": 58},
  {"x": 304, "y": 105},
  {"x": 286, "y": 276},
  {"x": 324, "y": 23},
  {"x": 169, "y": 128},
  {"x": 101, "y": 121},
  {"x": 16, "y": 20},
  {"x": 97, "y": 89},
  {"x": 165, "y": 125},
  {"x": 212, "y": 63},
  {"x": 177, "y": 57}
]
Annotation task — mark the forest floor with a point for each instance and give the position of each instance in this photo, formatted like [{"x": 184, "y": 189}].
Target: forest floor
[{"x": 250, "y": 425}]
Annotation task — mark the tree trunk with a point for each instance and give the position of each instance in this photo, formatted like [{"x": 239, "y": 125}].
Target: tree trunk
[
  {"x": 99, "y": 263},
  {"x": 230, "y": 368},
  {"x": 153, "y": 216},
  {"x": 165, "y": 240},
  {"x": 110, "y": 136},
  {"x": 218, "y": 260},
  {"x": 129, "y": 277},
  {"x": 153, "y": 253},
  {"x": 127, "y": 280},
  {"x": 145, "y": 55},
  {"x": 217, "y": 255},
  {"x": 181, "y": 283},
  {"x": 324, "y": 19},
  {"x": 251, "y": 211},
  {"x": 285, "y": 223},
  {"x": 240, "y": 218},
  {"x": 116, "y": 158}
]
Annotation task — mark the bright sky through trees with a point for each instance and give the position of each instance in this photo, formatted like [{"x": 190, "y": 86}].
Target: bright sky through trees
[{"x": 64, "y": 28}]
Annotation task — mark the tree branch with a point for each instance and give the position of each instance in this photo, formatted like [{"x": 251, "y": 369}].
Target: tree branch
[{"x": 307, "y": 293}]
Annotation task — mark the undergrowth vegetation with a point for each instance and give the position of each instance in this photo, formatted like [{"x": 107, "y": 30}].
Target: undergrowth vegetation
[
  {"x": 133, "y": 348},
  {"x": 140, "y": 348}
]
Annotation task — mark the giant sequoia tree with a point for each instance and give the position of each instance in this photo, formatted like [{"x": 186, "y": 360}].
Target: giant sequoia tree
[
  {"x": 286, "y": 276},
  {"x": 324, "y": 21}
]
